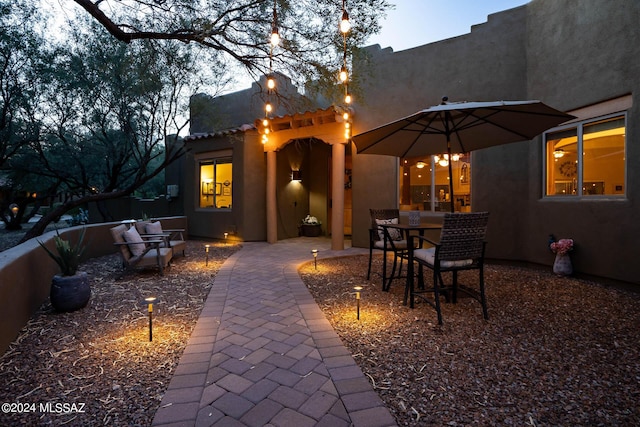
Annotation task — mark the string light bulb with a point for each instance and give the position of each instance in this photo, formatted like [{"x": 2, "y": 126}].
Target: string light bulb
[
  {"x": 268, "y": 107},
  {"x": 345, "y": 25},
  {"x": 271, "y": 82},
  {"x": 275, "y": 37},
  {"x": 344, "y": 75}
]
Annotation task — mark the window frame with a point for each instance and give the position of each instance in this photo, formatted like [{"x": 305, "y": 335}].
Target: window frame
[
  {"x": 208, "y": 159},
  {"x": 579, "y": 126}
]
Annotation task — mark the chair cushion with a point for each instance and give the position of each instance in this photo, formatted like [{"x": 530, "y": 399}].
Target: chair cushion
[
  {"x": 135, "y": 242},
  {"x": 399, "y": 244},
  {"x": 394, "y": 233},
  {"x": 154, "y": 228},
  {"x": 428, "y": 256}
]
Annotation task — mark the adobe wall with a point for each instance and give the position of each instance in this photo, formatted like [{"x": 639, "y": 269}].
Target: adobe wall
[
  {"x": 568, "y": 54},
  {"x": 26, "y": 271}
]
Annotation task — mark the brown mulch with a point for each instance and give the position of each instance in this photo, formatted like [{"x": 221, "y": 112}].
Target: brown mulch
[
  {"x": 97, "y": 362},
  {"x": 554, "y": 352}
]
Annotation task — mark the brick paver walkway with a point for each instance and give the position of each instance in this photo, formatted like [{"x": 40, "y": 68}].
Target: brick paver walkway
[{"x": 263, "y": 354}]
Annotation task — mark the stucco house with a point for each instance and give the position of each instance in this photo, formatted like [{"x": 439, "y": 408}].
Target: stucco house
[{"x": 580, "y": 180}]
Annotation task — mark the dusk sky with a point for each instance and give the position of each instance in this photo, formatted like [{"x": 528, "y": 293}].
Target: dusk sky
[{"x": 418, "y": 22}]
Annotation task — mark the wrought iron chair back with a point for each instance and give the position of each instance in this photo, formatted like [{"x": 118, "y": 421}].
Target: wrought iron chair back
[{"x": 461, "y": 247}]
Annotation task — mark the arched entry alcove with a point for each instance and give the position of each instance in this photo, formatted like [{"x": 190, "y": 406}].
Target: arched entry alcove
[
  {"x": 289, "y": 142},
  {"x": 303, "y": 184}
]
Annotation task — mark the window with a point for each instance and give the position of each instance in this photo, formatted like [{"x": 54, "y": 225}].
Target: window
[
  {"x": 587, "y": 159},
  {"x": 424, "y": 183},
  {"x": 215, "y": 183}
]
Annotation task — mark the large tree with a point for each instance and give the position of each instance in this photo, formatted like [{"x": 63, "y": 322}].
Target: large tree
[
  {"x": 110, "y": 110},
  {"x": 19, "y": 58},
  {"x": 107, "y": 104}
]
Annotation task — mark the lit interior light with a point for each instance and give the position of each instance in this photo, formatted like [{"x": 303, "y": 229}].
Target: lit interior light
[{"x": 420, "y": 164}]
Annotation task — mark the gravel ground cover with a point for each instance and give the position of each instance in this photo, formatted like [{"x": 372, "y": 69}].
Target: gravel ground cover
[
  {"x": 555, "y": 351},
  {"x": 99, "y": 360}
]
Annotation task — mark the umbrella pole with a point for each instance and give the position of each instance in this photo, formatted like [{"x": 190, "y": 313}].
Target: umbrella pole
[{"x": 451, "y": 197}]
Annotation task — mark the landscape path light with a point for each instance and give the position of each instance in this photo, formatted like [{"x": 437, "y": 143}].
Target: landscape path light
[
  {"x": 315, "y": 258},
  {"x": 150, "y": 301},
  {"x": 206, "y": 251},
  {"x": 358, "y": 289}
]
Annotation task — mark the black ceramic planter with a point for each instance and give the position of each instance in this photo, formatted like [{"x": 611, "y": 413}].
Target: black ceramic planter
[
  {"x": 70, "y": 293},
  {"x": 310, "y": 230}
]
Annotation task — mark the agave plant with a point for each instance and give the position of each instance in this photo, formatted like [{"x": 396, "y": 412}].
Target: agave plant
[{"x": 68, "y": 256}]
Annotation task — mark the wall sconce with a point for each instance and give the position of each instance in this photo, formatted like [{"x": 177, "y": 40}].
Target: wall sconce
[
  {"x": 296, "y": 176},
  {"x": 315, "y": 258},
  {"x": 150, "y": 301},
  {"x": 358, "y": 289},
  {"x": 206, "y": 251}
]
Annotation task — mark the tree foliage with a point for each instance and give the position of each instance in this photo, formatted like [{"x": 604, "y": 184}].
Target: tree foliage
[
  {"x": 110, "y": 110},
  {"x": 311, "y": 48}
]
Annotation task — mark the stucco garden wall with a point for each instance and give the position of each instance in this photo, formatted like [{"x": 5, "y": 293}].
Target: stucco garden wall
[{"x": 26, "y": 271}]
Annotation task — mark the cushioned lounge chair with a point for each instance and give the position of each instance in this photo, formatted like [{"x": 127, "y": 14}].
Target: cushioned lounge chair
[{"x": 143, "y": 253}]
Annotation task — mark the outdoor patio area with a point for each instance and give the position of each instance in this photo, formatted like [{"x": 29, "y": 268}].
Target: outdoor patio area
[{"x": 244, "y": 343}]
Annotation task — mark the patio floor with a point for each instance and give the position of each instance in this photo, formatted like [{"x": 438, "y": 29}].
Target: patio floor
[{"x": 263, "y": 353}]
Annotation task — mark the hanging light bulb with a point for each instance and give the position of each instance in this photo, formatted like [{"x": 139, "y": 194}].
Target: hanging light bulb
[
  {"x": 265, "y": 122},
  {"x": 347, "y": 98},
  {"x": 275, "y": 37},
  {"x": 345, "y": 25},
  {"x": 268, "y": 107},
  {"x": 344, "y": 74},
  {"x": 345, "y": 116},
  {"x": 271, "y": 82}
]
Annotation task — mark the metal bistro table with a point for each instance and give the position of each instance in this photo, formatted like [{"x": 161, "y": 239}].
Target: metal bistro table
[{"x": 401, "y": 250}]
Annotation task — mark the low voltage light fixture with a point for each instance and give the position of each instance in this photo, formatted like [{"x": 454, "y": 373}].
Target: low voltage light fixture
[
  {"x": 314, "y": 252},
  {"x": 358, "y": 289},
  {"x": 206, "y": 251},
  {"x": 150, "y": 301},
  {"x": 296, "y": 175}
]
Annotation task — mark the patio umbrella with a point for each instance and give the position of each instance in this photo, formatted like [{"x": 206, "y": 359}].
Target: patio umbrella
[{"x": 460, "y": 128}]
